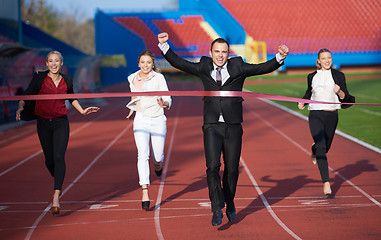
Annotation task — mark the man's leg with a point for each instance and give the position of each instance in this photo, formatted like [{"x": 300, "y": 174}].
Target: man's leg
[
  {"x": 231, "y": 155},
  {"x": 212, "y": 147}
]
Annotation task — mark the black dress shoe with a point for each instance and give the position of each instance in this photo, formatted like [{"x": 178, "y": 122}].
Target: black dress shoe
[
  {"x": 230, "y": 211},
  {"x": 217, "y": 218}
]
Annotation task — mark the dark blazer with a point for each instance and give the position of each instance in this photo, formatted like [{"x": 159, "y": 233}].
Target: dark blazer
[
  {"x": 339, "y": 79},
  {"x": 34, "y": 88},
  {"x": 231, "y": 107}
]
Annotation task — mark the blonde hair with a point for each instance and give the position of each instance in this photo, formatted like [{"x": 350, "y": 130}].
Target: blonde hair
[
  {"x": 54, "y": 52},
  {"x": 323, "y": 50}
]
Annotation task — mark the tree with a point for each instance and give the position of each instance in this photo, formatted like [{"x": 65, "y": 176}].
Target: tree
[{"x": 63, "y": 26}]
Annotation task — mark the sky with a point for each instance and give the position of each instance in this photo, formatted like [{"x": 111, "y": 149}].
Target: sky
[{"x": 88, "y": 8}]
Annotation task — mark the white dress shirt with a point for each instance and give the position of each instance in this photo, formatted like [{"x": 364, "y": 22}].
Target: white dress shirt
[
  {"x": 323, "y": 90},
  {"x": 148, "y": 104}
]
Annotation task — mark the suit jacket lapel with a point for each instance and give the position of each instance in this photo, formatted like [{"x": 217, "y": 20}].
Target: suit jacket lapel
[
  {"x": 210, "y": 67},
  {"x": 230, "y": 71}
]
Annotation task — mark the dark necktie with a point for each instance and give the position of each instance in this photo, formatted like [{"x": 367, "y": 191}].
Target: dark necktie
[
  {"x": 219, "y": 79},
  {"x": 218, "y": 76}
]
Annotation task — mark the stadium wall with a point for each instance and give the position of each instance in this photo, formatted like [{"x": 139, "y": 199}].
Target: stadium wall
[
  {"x": 228, "y": 27},
  {"x": 216, "y": 15},
  {"x": 113, "y": 39}
]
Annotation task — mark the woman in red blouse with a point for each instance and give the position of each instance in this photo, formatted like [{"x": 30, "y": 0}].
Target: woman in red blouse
[{"x": 52, "y": 123}]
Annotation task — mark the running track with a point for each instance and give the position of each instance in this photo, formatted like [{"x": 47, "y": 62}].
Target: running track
[{"x": 279, "y": 194}]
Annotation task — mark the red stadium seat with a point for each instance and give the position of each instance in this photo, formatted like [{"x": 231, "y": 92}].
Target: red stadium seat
[
  {"x": 188, "y": 37},
  {"x": 309, "y": 25},
  {"x": 137, "y": 26},
  {"x": 186, "y": 33}
]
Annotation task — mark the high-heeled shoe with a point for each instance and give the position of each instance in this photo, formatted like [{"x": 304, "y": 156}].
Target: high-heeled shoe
[
  {"x": 55, "y": 209},
  {"x": 313, "y": 154},
  {"x": 327, "y": 189},
  {"x": 145, "y": 204},
  {"x": 158, "y": 169},
  {"x": 313, "y": 158}
]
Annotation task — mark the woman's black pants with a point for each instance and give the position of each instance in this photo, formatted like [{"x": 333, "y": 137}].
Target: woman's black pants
[
  {"x": 54, "y": 137},
  {"x": 322, "y": 126}
]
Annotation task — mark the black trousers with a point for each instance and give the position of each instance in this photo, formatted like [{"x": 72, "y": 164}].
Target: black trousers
[
  {"x": 322, "y": 126},
  {"x": 226, "y": 139},
  {"x": 54, "y": 137}
]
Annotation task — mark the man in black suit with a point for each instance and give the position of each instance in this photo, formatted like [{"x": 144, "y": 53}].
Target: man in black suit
[{"x": 222, "y": 115}]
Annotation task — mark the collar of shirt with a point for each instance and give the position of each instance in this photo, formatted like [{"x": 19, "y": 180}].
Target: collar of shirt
[
  {"x": 224, "y": 72},
  {"x": 138, "y": 77},
  {"x": 324, "y": 71}
]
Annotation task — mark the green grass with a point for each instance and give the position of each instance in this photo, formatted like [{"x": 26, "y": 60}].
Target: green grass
[
  {"x": 304, "y": 76},
  {"x": 359, "y": 121}
]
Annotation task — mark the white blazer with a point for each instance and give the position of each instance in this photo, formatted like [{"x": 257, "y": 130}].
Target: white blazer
[{"x": 149, "y": 105}]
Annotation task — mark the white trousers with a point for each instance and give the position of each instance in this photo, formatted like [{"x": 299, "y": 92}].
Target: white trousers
[{"x": 146, "y": 129}]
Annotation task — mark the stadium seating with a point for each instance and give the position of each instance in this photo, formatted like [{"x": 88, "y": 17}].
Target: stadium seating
[
  {"x": 186, "y": 34},
  {"x": 307, "y": 26},
  {"x": 136, "y": 25},
  {"x": 24, "y": 68}
]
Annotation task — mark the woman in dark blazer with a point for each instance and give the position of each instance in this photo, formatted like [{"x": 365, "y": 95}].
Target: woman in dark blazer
[
  {"x": 325, "y": 85},
  {"x": 51, "y": 115}
]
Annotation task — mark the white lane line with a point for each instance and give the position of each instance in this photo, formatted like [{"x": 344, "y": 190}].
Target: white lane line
[
  {"x": 311, "y": 197},
  {"x": 356, "y": 187},
  {"x": 40, "y": 151},
  {"x": 265, "y": 202},
  {"x": 30, "y": 232},
  {"x": 149, "y": 219},
  {"x": 108, "y": 221},
  {"x": 101, "y": 206},
  {"x": 162, "y": 182},
  {"x": 26, "y": 132},
  {"x": 349, "y": 137},
  {"x": 175, "y": 200},
  {"x": 302, "y": 204},
  {"x": 308, "y": 153},
  {"x": 21, "y": 163},
  {"x": 367, "y": 111}
]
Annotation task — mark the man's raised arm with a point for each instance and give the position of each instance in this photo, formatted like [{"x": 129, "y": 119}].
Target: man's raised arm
[
  {"x": 173, "y": 59},
  {"x": 163, "y": 45}
]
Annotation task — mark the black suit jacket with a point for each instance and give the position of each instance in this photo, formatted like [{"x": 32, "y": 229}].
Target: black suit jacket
[
  {"x": 231, "y": 107},
  {"x": 34, "y": 88}
]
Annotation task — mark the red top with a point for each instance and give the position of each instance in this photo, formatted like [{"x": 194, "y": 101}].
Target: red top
[{"x": 55, "y": 107}]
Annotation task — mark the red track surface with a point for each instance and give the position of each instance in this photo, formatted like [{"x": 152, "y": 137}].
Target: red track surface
[{"x": 279, "y": 194}]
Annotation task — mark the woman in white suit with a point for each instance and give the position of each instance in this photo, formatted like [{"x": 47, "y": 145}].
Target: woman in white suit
[{"x": 150, "y": 122}]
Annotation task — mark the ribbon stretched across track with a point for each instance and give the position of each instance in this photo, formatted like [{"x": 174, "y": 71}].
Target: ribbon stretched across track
[{"x": 170, "y": 93}]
